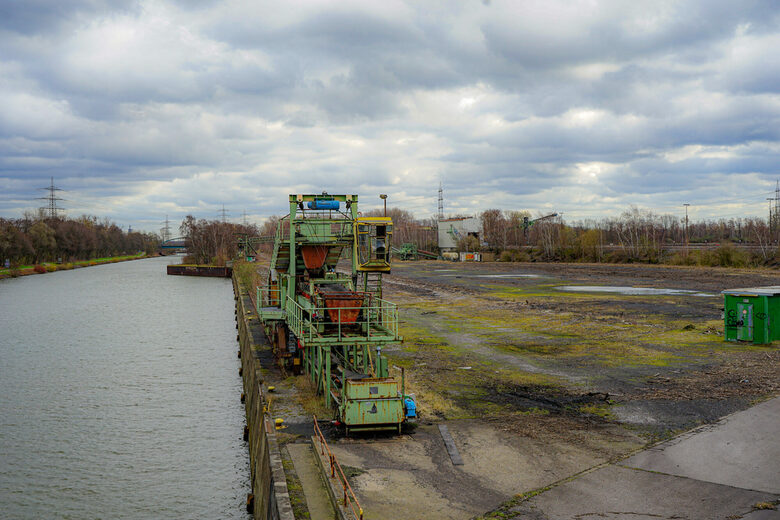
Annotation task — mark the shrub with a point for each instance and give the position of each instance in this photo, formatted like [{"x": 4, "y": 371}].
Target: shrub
[
  {"x": 39, "y": 269},
  {"x": 50, "y": 268},
  {"x": 506, "y": 256},
  {"x": 520, "y": 255},
  {"x": 220, "y": 259},
  {"x": 729, "y": 256}
]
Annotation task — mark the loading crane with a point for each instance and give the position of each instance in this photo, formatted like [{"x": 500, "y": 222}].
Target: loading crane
[
  {"x": 528, "y": 222},
  {"x": 332, "y": 325},
  {"x": 247, "y": 245},
  {"x": 409, "y": 251}
]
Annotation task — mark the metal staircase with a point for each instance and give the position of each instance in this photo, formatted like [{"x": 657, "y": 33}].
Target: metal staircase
[{"x": 372, "y": 283}]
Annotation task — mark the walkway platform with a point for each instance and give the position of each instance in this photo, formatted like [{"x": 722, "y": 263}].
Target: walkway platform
[{"x": 729, "y": 469}]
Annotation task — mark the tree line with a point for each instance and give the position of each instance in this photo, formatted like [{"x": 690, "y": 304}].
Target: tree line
[
  {"x": 37, "y": 239},
  {"x": 213, "y": 241},
  {"x": 636, "y": 235}
]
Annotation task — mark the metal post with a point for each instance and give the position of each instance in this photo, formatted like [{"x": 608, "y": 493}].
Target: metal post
[
  {"x": 686, "y": 228},
  {"x": 384, "y": 198},
  {"x": 327, "y": 376}
]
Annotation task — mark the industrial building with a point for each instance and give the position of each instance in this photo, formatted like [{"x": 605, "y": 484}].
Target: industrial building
[{"x": 453, "y": 229}]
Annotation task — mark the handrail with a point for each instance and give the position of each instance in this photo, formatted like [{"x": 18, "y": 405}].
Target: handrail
[
  {"x": 267, "y": 294},
  {"x": 380, "y": 313},
  {"x": 349, "y": 498}
]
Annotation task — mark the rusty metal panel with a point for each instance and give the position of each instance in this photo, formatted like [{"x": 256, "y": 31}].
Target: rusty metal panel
[
  {"x": 371, "y": 388},
  {"x": 365, "y": 412}
]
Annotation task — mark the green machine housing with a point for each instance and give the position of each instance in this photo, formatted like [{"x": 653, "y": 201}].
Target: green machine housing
[
  {"x": 752, "y": 314},
  {"x": 332, "y": 324}
]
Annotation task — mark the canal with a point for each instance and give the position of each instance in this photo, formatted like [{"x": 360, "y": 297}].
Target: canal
[{"x": 119, "y": 396}]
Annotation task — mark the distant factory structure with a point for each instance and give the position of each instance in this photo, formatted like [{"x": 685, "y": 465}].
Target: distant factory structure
[{"x": 451, "y": 230}]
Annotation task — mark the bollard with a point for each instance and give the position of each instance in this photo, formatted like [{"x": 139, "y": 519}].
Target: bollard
[
  {"x": 240, "y": 371},
  {"x": 243, "y": 397},
  {"x": 246, "y": 432},
  {"x": 250, "y": 503},
  {"x": 239, "y": 354}
]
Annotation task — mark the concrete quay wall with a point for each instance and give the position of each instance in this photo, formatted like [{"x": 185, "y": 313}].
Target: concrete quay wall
[{"x": 271, "y": 499}]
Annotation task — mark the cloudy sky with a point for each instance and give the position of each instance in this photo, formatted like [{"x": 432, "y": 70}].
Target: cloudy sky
[{"x": 140, "y": 109}]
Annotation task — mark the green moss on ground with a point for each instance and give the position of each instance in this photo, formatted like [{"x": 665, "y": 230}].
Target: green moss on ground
[{"x": 294, "y": 486}]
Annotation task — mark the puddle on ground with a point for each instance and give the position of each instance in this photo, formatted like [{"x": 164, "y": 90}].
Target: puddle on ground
[
  {"x": 518, "y": 275},
  {"x": 633, "y": 291}
]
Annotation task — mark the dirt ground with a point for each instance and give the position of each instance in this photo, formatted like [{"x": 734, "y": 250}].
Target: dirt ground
[
  {"x": 537, "y": 384},
  {"x": 537, "y": 381},
  {"x": 496, "y": 340}
]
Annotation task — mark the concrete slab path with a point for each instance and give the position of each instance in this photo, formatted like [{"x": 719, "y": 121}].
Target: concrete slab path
[
  {"x": 317, "y": 499},
  {"x": 721, "y": 471},
  {"x": 741, "y": 450}
]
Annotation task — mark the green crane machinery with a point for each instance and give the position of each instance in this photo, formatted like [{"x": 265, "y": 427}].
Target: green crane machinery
[
  {"x": 409, "y": 251},
  {"x": 332, "y": 325},
  {"x": 528, "y": 222},
  {"x": 247, "y": 245}
]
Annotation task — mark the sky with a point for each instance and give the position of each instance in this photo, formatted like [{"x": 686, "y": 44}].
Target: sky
[{"x": 142, "y": 109}]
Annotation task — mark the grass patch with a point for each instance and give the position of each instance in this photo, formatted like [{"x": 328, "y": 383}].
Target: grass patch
[
  {"x": 247, "y": 274},
  {"x": 599, "y": 410},
  {"x": 306, "y": 396}
]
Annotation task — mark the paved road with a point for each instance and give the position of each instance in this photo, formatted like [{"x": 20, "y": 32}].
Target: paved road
[{"x": 721, "y": 471}]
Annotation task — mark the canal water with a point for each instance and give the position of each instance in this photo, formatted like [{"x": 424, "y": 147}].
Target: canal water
[{"x": 119, "y": 396}]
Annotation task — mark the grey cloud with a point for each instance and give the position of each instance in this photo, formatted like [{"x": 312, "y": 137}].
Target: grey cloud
[
  {"x": 44, "y": 16},
  {"x": 314, "y": 97}
]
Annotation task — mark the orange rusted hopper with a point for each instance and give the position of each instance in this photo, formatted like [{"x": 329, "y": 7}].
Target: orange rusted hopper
[
  {"x": 343, "y": 306},
  {"x": 314, "y": 256}
]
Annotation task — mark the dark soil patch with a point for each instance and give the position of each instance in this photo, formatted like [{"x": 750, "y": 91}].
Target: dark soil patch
[
  {"x": 535, "y": 398},
  {"x": 741, "y": 374},
  {"x": 661, "y": 418}
]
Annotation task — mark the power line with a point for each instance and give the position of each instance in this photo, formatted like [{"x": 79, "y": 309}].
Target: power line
[
  {"x": 752, "y": 198},
  {"x": 52, "y": 208},
  {"x": 441, "y": 202},
  {"x": 166, "y": 230},
  {"x": 223, "y": 213}
]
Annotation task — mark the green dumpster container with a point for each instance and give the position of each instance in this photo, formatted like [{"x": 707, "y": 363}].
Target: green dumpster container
[{"x": 752, "y": 314}]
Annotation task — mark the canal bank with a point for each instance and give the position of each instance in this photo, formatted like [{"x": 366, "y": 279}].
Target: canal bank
[
  {"x": 51, "y": 267},
  {"x": 270, "y": 497}
]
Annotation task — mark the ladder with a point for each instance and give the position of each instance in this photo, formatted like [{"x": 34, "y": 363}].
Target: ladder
[{"x": 372, "y": 283}]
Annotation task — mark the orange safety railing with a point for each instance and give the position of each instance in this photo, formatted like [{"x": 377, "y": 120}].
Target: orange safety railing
[{"x": 350, "y": 500}]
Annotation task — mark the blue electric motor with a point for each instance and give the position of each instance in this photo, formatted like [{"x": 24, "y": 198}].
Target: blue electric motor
[
  {"x": 411, "y": 407},
  {"x": 324, "y": 204}
]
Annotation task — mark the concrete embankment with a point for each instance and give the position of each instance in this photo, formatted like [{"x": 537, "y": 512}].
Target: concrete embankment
[{"x": 270, "y": 498}]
